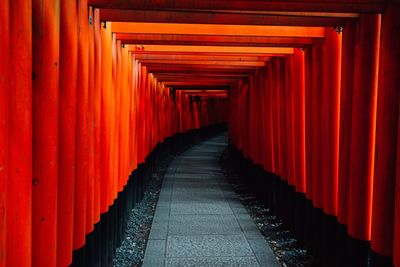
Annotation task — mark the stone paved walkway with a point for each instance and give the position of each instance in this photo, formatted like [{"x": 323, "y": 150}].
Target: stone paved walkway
[{"x": 199, "y": 221}]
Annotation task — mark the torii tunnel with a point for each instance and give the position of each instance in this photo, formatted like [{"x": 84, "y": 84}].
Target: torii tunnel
[{"x": 93, "y": 93}]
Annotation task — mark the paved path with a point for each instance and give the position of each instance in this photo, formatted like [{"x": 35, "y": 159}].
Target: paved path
[{"x": 199, "y": 220}]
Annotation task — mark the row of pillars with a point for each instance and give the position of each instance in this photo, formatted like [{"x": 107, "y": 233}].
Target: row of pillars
[
  {"x": 78, "y": 113},
  {"x": 326, "y": 120}
]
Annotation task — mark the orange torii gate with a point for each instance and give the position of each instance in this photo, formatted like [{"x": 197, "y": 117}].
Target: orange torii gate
[{"x": 89, "y": 89}]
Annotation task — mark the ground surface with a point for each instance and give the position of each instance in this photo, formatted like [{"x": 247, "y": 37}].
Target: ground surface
[
  {"x": 131, "y": 251},
  {"x": 199, "y": 220},
  {"x": 202, "y": 218},
  {"x": 285, "y": 246}
]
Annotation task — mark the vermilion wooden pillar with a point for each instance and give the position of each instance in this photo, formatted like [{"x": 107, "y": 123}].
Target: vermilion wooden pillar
[
  {"x": 105, "y": 116},
  {"x": 386, "y": 134},
  {"x": 139, "y": 116},
  {"x": 124, "y": 124},
  {"x": 97, "y": 112},
  {"x": 309, "y": 120},
  {"x": 262, "y": 117},
  {"x": 269, "y": 130},
  {"x": 277, "y": 115},
  {"x": 141, "y": 122},
  {"x": 363, "y": 131},
  {"x": 330, "y": 119},
  {"x": 281, "y": 88},
  {"x": 131, "y": 87},
  {"x": 268, "y": 117},
  {"x": 82, "y": 131},
  {"x": 67, "y": 131},
  {"x": 113, "y": 147},
  {"x": 251, "y": 105},
  {"x": 19, "y": 184},
  {"x": 299, "y": 121},
  {"x": 46, "y": 34},
  {"x": 4, "y": 127},
  {"x": 123, "y": 156},
  {"x": 126, "y": 98},
  {"x": 396, "y": 231},
  {"x": 260, "y": 146},
  {"x": 246, "y": 110},
  {"x": 134, "y": 110},
  {"x": 4, "y": 121},
  {"x": 346, "y": 97},
  {"x": 316, "y": 95},
  {"x": 251, "y": 139},
  {"x": 121, "y": 104},
  {"x": 90, "y": 115},
  {"x": 290, "y": 82}
]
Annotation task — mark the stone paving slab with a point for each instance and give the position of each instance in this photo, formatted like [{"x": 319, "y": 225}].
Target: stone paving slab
[
  {"x": 208, "y": 246},
  {"x": 203, "y": 225},
  {"x": 155, "y": 253},
  {"x": 199, "y": 221},
  {"x": 213, "y": 261}
]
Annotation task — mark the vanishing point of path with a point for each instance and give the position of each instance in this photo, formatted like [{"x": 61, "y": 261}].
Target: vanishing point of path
[{"x": 199, "y": 221}]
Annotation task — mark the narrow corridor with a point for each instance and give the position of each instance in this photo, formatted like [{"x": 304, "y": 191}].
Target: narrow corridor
[
  {"x": 199, "y": 220},
  {"x": 95, "y": 94}
]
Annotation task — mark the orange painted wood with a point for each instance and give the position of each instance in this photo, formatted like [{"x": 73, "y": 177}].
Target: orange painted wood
[
  {"x": 210, "y": 49},
  {"x": 251, "y": 119},
  {"x": 220, "y": 18},
  {"x": 383, "y": 206},
  {"x": 113, "y": 135},
  {"x": 82, "y": 131},
  {"x": 277, "y": 115},
  {"x": 119, "y": 119},
  {"x": 97, "y": 114},
  {"x": 219, "y": 40},
  {"x": 67, "y": 131},
  {"x": 45, "y": 40},
  {"x": 18, "y": 220},
  {"x": 316, "y": 95},
  {"x": 283, "y": 133},
  {"x": 270, "y": 118},
  {"x": 309, "y": 113},
  {"x": 157, "y": 68},
  {"x": 182, "y": 80},
  {"x": 346, "y": 97},
  {"x": 207, "y": 29},
  {"x": 363, "y": 131},
  {"x": 290, "y": 80},
  {"x": 205, "y": 62},
  {"x": 239, "y": 5},
  {"x": 125, "y": 122},
  {"x": 90, "y": 115},
  {"x": 264, "y": 113},
  {"x": 194, "y": 53},
  {"x": 105, "y": 117},
  {"x": 193, "y": 56},
  {"x": 396, "y": 230},
  {"x": 4, "y": 122},
  {"x": 330, "y": 120},
  {"x": 133, "y": 111},
  {"x": 299, "y": 121}
]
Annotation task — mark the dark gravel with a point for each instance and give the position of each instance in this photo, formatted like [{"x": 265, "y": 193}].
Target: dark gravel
[
  {"x": 131, "y": 252},
  {"x": 286, "y": 248}
]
